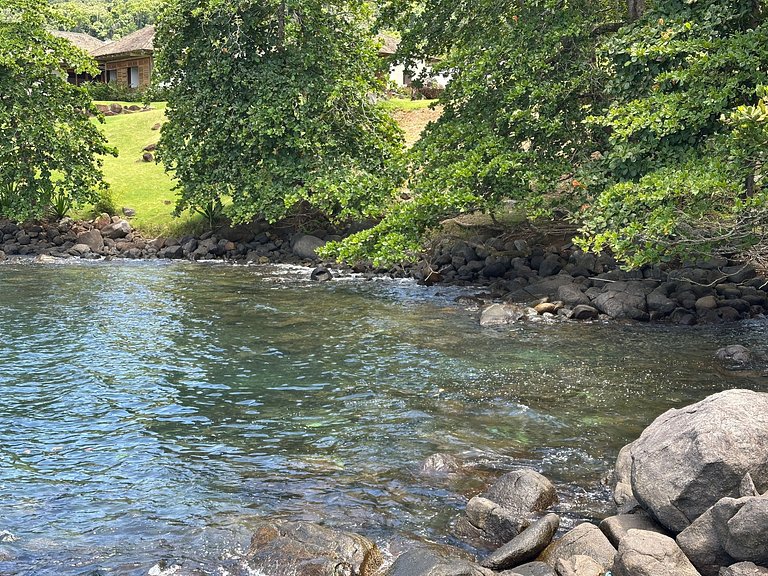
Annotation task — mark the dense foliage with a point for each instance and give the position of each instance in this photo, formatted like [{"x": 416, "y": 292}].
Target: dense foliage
[
  {"x": 107, "y": 19},
  {"x": 524, "y": 80},
  {"x": 49, "y": 147},
  {"x": 682, "y": 172},
  {"x": 644, "y": 126},
  {"x": 270, "y": 109}
]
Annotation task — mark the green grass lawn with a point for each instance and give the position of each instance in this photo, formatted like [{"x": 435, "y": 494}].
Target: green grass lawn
[
  {"x": 405, "y": 104},
  {"x": 143, "y": 186}
]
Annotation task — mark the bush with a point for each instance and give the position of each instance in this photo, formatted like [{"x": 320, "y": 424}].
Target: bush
[
  {"x": 105, "y": 204},
  {"x": 115, "y": 91}
]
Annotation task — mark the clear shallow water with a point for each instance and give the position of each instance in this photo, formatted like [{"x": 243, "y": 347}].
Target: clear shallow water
[{"x": 153, "y": 412}]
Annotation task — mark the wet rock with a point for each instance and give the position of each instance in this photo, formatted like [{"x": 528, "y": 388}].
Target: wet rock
[
  {"x": 429, "y": 562},
  {"x": 522, "y": 491},
  {"x": 501, "y": 314},
  {"x": 524, "y": 547},
  {"x": 643, "y": 553},
  {"x": 321, "y": 274},
  {"x": 311, "y": 550},
  {"x": 584, "y": 312},
  {"x": 439, "y": 464},
  {"x": 305, "y": 246},
  {"x": 488, "y": 525},
  {"x": 530, "y": 569},
  {"x": 688, "y": 459},
  {"x": 584, "y": 540},
  {"x": 91, "y": 238},
  {"x": 735, "y": 353},
  {"x": 623, "y": 496},
  {"x": 616, "y": 527}
]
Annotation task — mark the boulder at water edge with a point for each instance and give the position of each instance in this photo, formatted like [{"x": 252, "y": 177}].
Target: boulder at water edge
[
  {"x": 311, "y": 550},
  {"x": 690, "y": 458},
  {"x": 505, "y": 508},
  {"x": 525, "y": 546},
  {"x": 428, "y": 562},
  {"x": 584, "y": 540},
  {"x": 733, "y": 530},
  {"x": 643, "y": 553}
]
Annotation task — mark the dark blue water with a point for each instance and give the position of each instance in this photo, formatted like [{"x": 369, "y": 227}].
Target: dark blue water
[{"x": 151, "y": 413}]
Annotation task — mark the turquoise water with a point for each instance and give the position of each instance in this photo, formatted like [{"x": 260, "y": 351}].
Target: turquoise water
[{"x": 152, "y": 412}]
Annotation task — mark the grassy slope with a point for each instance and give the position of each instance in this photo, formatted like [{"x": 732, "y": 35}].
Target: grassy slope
[{"x": 145, "y": 187}]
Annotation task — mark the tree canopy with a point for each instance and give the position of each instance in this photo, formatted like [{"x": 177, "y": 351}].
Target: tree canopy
[
  {"x": 642, "y": 122},
  {"x": 107, "y": 19},
  {"x": 271, "y": 109},
  {"x": 49, "y": 148}
]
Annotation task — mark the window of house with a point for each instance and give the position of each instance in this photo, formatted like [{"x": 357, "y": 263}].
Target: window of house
[
  {"x": 111, "y": 75},
  {"x": 133, "y": 77}
]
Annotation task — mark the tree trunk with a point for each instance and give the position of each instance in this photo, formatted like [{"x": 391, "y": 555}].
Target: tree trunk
[{"x": 636, "y": 9}]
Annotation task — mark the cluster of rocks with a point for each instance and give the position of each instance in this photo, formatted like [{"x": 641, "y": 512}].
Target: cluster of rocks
[
  {"x": 114, "y": 109},
  {"x": 522, "y": 282},
  {"x": 114, "y": 237},
  {"x": 688, "y": 496},
  {"x": 566, "y": 282}
]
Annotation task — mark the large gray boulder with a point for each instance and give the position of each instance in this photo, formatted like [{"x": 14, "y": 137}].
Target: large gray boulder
[
  {"x": 524, "y": 547},
  {"x": 690, "y": 458},
  {"x": 115, "y": 230},
  {"x": 305, "y": 246},
  {"x": 643, "y": 553},
  {"x": 621, "y": 305},
  {"x": 434, "y": 562},
  {"x": 584, "y": 540},
  {"x": 311, "y": 550},
  {"x": 91, "y": 238},
  {"x": 733, "y": 530}
]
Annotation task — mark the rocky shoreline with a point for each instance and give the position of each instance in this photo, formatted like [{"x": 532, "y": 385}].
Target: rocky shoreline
[
  {"x": 691, "y": 497},
  {"x": 518, "y": 280}
]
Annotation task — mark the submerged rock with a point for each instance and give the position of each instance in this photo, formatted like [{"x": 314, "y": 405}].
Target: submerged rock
[{"x": 311, "y": 550}]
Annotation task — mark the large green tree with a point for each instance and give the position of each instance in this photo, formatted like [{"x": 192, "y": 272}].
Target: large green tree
[
  {"x": 523, "y": 80},
  {"x": 271, "y": 108},
  {"x": 49, "y": 148},
  {"x": 643, "y": 122}
]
